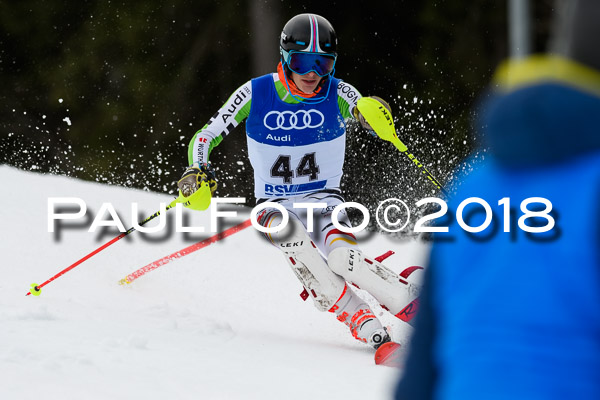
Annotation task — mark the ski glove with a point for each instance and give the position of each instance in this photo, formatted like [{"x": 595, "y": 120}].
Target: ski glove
[
  {"x": 193, "y": 176},
  {"x": 359, "y": 117},
  {"x": 362, "y": 119}
]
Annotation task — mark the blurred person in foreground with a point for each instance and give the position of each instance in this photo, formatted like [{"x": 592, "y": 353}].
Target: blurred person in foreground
[{"x": 516, "y": 315}]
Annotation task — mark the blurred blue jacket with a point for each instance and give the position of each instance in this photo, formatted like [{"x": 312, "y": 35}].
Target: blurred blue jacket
[{"x": 516, "y": 315}]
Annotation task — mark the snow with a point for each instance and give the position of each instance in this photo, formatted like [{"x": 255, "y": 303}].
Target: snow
[{"x": 225, "y": 322}]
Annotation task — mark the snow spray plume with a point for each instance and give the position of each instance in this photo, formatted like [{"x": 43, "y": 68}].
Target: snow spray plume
[{"x": 379, "y": 117}]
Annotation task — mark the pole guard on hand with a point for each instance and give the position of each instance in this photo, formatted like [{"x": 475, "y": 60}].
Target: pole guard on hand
[
  {"x": 380, "y": 119},
  {"x": 199, "y": 200}
]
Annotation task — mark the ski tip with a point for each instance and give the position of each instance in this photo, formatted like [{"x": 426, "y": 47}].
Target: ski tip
[
  {"x": 124, "y": 281},
  {"x": 390, "y": 355}
]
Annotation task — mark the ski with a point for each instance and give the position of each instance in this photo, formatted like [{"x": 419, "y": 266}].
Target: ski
[{"x": 390, "y": 354}]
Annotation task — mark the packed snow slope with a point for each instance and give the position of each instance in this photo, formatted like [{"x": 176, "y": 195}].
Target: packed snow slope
[{"x": 225, "y": 322}]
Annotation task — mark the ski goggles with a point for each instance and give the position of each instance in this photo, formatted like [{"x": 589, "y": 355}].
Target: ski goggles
[{"x": 302, "y": 63}]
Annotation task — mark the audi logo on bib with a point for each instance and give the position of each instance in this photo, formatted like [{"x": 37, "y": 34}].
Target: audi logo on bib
[{"x": 288, "y": 120}]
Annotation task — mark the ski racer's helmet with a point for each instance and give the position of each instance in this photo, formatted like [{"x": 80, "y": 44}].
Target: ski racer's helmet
[{"x": 308, "y": 43}]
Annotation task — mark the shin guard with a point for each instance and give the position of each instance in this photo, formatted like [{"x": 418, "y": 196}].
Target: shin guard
[
  {"x": 393, "y": 291},
  {"x": 323, "y": 286}
]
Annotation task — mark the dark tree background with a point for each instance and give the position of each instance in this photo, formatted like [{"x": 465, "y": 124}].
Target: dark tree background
[{"x": 113, "y": 91}]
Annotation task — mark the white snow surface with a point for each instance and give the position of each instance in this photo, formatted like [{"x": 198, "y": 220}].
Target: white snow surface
[{"x": 225, "y": 322}]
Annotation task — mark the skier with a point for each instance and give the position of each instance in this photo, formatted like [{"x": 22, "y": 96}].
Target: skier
[{"x": 296, "y": 135}]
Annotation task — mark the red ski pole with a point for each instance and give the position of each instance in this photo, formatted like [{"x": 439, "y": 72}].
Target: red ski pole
[
  {"x": 36, "y": 289},
  {"x": 184, "y": 252}
]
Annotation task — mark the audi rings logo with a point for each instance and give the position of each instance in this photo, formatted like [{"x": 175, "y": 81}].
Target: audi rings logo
[{"x": 288, "y": 120}]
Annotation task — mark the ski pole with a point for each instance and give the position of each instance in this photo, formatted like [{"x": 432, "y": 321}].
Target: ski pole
[
  {"x": 199, "y": 200},
  {"x": 380, "y": 119},
  {"x": 36, "y": 289}
]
